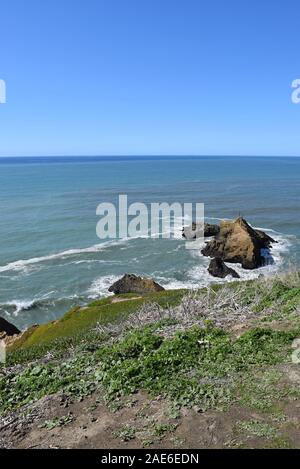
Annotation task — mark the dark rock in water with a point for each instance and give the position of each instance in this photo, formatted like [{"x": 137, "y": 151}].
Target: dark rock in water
[
  {"x": 194, "y": 231},
  {"x": 266, "y": 239},
  {"x": 211, "y": 230},
  {"x": 131, "y": 283},
  {"x": 238, "y": 242},
  {"x": 7, "y": 329},
  {"x": 218, "y": 268}
]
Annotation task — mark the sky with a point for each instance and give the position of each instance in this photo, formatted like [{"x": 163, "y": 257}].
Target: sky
[{"x": 149, "y": 77}]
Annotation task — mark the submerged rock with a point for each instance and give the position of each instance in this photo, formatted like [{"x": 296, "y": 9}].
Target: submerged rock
[
  {"x": 7, "y": 329},
  {"x": 131, "y": 283},
  {"x": 238, "y": 242},
  {"x": 193, "y": 231},
  {"x": 218, "y": 268}
]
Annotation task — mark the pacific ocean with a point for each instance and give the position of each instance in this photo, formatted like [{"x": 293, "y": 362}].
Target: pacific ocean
[{"x": 51, "y": 258}]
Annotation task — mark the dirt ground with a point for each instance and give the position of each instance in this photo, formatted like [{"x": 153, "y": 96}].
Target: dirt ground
[{"x": 142, "y": 422}]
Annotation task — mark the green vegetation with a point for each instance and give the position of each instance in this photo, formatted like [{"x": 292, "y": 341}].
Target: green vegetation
[
  {"x": 276, "y": 300},
  {"x": 183, "y": 369},
  {"x": 257, "y": 428},
  {"x": 58, "y": 422},
  {"x": 75, "y": 325},
  {"x": 168, "y": 345},
  {"x": 163, "y": 429},
  {"x": 280, "y": 295},
  {"x": 180, "y": 368},
  {"x": 263, "y": 390},
  {"x": 126, "y": 433}
]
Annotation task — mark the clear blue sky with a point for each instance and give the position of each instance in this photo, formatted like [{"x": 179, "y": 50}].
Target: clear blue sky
[{"x": 103, "y": 77}]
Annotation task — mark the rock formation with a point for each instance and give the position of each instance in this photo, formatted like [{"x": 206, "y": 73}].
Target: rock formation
[
  {"x": 218, "y": 268},
  {"x": 192, "y": 232},
  {"x": 238, "y": 242},
  {"x": 7, "y": 329},
  {"x": 131, "y": 283}
]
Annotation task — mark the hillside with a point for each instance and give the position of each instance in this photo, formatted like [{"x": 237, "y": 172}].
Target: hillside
[{"x": 177, "y": 368}]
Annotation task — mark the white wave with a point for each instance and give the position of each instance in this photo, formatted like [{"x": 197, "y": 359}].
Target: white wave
[
  {"x": 94, "y": 261},
  {"x": 20, "y": 305},
  {"x": 23, "y": 263},
  {"x": 278, "y": 251},
  {"x": 173, "y": 284},
  {"x": 44, "y": 302},
  {"x": 26, "y": 305},
  {"x": 101, "y": 285},
  {"x": 199, "y": 277},
  {"x": 277, "y": 233},
  {"x": 217, "y": 219},
  {"x": 178, "y": 248}
]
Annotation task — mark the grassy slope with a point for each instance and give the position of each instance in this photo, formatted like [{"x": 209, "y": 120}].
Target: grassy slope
[
  {"x": 209, "y": 368},
  {"x": 79, "y": 320},
  {"x": 76, "y": 325}
]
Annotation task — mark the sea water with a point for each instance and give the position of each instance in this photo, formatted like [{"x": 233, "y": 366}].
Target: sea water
[{"x": 51, "y": 258}]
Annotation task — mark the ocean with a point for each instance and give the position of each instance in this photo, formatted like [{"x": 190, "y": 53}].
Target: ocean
[{"x": 51, "y": 258}]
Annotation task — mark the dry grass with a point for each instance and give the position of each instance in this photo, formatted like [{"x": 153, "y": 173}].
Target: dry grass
[{"x": 230, "y": 306}]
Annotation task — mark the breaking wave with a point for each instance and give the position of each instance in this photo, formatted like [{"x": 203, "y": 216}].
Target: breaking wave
[{"x": 22, "y": 264}]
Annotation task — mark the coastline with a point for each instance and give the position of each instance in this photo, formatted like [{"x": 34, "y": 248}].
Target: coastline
[
  {"x": 235, "y": 242},
  {"x": 65, "y": 264},
  {"x": 57, "y": 373},
  {"x": 197, "y": 278}
]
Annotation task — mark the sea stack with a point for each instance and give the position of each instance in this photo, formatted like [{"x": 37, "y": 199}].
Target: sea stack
[{"x": 238, "y": 242}]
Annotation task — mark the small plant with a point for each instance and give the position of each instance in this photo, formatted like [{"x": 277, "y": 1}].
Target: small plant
[
  {"x": 163, "y": 429},
  {"x": 125, "y": 433},
  {"x": 257, "y": 428},
  {"x": 57, "y": 422},
  {"x": 147, "y": 443},
  {"x": 173, "y": 411}
]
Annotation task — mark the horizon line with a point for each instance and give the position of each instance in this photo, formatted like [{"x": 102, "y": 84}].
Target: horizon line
[{"x": 151, "y": 156}]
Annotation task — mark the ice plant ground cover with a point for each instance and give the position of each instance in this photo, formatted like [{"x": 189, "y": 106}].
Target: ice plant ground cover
[{"x": 224, "y": 352}]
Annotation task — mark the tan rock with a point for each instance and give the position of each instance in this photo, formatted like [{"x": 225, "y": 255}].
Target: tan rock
[{"x": 238, "y": 242}]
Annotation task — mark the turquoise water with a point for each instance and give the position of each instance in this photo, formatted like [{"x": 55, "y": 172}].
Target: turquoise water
[{"x": 51, "y": 258}]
